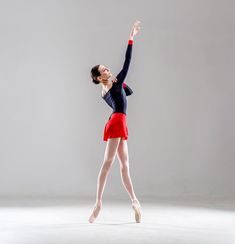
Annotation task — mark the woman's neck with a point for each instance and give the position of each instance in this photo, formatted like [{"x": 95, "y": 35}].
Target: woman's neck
[{"x": 106, "y": 82}]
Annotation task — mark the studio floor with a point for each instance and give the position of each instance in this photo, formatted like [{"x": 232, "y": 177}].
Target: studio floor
[{"x": 65, "y": 221}]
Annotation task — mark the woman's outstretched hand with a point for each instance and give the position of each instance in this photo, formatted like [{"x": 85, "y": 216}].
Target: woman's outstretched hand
[{"x": 135, "y": 28}]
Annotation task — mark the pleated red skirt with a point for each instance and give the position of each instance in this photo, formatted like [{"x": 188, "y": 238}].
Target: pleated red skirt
[{"x": 116, "y": 127}]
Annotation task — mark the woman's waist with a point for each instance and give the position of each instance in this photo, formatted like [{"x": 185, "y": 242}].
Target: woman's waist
[{"x": 117, "y": 114}]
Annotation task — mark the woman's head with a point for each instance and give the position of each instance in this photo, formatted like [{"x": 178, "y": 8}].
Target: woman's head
[{"x": 100, "y": 73}]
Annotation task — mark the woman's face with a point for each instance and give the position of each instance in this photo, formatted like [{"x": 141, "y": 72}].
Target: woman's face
[{"x": 105, "y": 72}]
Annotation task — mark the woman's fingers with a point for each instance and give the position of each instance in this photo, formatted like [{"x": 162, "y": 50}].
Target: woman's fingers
[
  {"x": 137, "y": 22},
  {"x": 136, "y": 26}
]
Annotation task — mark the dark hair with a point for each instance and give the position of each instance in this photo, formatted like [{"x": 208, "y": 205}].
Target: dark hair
[{"x": 95, "y": 73}]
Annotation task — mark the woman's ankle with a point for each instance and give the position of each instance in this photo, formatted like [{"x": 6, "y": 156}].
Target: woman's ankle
[
  {"x": 98, "y": 202},
  {"x": 134, "y": 199}
]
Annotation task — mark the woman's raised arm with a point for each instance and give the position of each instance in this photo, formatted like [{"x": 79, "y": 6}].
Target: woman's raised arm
[{"x": 122, "y": 74}]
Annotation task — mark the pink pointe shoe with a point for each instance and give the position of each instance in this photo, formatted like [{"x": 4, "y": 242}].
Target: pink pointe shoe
[
  {"x": 136, "y": 206},
  {"x": 95, "y": 212}
]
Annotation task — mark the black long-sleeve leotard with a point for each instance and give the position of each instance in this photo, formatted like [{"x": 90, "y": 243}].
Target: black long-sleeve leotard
[{"x": 116, "y": 95}]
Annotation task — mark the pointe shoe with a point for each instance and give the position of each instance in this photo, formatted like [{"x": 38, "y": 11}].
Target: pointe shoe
[
  {"x": 95, "y": 212},
  {"x": 136, "y": 206}
]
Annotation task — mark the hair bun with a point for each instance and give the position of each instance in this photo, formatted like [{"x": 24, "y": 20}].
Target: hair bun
[{"x": 95, "y": 81}]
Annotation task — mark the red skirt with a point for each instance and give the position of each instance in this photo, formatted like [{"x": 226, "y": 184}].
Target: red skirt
[{"x": 116, "y": 127}]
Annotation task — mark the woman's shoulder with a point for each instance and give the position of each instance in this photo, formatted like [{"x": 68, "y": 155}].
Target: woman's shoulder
[{"x": 105, "y": 89}]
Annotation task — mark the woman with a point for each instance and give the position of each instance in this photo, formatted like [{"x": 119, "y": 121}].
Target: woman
[{"x": 114, "y": 93}]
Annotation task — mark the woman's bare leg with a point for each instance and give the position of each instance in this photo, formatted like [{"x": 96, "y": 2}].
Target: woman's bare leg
[
  {"x": 109, "y": 156},
  {"x": 123, "y": 158}
]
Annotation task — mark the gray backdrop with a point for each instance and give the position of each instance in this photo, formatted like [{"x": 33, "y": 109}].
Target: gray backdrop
[{"x": 180, "y": 116}]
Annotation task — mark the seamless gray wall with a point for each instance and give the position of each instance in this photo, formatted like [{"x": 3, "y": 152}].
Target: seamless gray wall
[{"x": 180, "y": 116}]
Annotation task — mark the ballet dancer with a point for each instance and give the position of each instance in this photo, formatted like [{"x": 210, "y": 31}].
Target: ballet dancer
[{"x": 114, "y": 92}]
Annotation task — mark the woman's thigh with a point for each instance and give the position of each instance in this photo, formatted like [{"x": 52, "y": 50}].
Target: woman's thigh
[
  {"x": 111, "y": 149},
  {"x": 122, "y": 153}
]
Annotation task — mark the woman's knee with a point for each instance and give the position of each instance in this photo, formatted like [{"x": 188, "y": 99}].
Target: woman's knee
[
  {"x": 107, "y": 165},
  {"x": 124, "y": 166}
]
